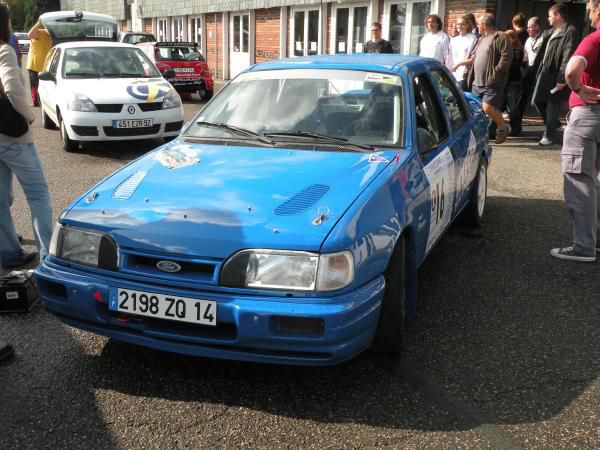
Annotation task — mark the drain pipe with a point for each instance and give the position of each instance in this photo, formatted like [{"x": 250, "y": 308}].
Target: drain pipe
[{"x": 216, "y": 47}]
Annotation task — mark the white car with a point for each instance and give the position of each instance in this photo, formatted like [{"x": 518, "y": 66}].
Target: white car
[
  {"x": 24, "y": 42},
  {"x": 106, "y": 91}
]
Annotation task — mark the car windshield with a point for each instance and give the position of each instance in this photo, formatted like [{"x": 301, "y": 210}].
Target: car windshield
[
  {"x": 94, "y": 62},
  {"x": 22, "y": 36},
  {"x": 68, "y": 28},
  {"x": 363, "y": 108},
  {"x": 178, "y": 53},
  {"x": 132, "y": 38}
]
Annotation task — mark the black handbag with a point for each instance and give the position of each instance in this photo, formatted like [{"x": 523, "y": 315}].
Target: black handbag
[{"x": 12, "y": 124}]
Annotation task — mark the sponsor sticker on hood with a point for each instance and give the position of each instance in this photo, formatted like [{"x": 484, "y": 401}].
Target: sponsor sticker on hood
[
  {"x": 177, "y": 156},
  {"x": 148, "y": 90}
]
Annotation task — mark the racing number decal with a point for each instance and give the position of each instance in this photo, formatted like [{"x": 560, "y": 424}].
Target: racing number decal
[{"x": 440, "y": 174}]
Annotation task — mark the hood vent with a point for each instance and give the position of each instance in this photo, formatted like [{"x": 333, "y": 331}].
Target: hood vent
[
  {"x": 125, "y": 190},
  {"x": 303, "y": 200}
]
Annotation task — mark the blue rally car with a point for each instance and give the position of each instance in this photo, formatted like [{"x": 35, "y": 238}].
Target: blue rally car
[{"x": 286, "y": 223}]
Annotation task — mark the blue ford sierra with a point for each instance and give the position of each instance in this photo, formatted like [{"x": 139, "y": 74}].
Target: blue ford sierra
[{"x": 286, "y": 223}]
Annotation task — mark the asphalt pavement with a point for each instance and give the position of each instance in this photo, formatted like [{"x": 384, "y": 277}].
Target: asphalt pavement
[{"x": 504, "y": 351}]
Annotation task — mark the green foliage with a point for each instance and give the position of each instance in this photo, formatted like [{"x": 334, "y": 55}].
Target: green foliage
[{"x": 25, "y": 13}]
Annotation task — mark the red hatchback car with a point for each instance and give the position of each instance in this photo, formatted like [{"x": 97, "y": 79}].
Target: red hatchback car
[{"x": 191, "y": 70}]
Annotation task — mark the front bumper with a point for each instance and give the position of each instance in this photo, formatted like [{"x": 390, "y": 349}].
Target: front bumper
[
  {"x": 246, "y": 324},
  {"x": 97, "y": 126}
]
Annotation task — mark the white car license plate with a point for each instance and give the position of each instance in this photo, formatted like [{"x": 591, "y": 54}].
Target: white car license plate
[
  {"x": 170, "y": 307},
  {"x": 132, "y": 123}
]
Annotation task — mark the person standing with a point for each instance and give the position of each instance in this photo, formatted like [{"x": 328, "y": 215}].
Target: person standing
[
  {"x": 551, "y": 89},
  {"x": 41, "y": 43},
  {"x": 14, "y": 43},
  {"x": 460, "y": 47},
  {"x": 377, "y": 44},
  {"x": 435, "y": 43},
  {"x": 513, "y": 86},
  {"x": 493, "y": 56},
  {"x": 518, "y": 25},
  {"x": 473, "y": 21},
  {"x": 580, "y": 154},
  {"x": 19, "y": 155},
  {"x": 532, "y": 48}
]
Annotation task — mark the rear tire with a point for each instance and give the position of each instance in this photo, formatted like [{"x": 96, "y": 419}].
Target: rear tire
[
  {"x": 389, "y": 336},
  {"x": 473, "y": 213},
  {"x": 205, "y": 95},
  {"x": 69, "y": 145}
]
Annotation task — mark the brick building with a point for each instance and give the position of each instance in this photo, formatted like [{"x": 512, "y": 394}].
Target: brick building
[{"x": 235, "y": 34}]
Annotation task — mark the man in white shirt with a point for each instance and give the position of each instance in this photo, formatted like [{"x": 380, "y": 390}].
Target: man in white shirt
[
  {"x": 436, "y": 43},
  {"x": 532, "y": 47},
  {"x": 460, "y": 47}
]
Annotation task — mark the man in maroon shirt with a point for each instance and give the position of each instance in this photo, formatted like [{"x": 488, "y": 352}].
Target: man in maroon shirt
[{"x": 580, "y": 155}]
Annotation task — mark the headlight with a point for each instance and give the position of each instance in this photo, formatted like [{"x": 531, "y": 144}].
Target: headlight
[
  {"x": 290, "y": 270},
  {"x": 84, "y": 247},
  {"x": 79, "y": 102},
  {"x": 171, "y": 100}
]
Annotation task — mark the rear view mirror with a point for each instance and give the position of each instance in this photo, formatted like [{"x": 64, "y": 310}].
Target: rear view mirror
[
  {"x": 169, "y": 73},
  {"x": 46, "y": 76}
]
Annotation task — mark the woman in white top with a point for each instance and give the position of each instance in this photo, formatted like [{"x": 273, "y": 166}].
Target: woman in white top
[
  {"x": 460, "y": 46},
  {"x": 19, "y": 155},
  {"x": 435, "y": 43}
]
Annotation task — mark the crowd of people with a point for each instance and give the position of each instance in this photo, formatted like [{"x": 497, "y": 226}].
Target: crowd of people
[{"x": 507, "y": 69}]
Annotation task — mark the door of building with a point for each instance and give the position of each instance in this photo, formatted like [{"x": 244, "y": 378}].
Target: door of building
[
  {"x": 240, "y": 43},
  {"x": 351, "y": 23},
  {"x": 404, "y": 24}
]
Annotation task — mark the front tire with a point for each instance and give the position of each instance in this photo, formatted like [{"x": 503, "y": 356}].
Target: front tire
[
  {"x": 473, "y": 212},
  {"x": 205, "y": 95},
  {"x": 389, "y": 336},
  {"x": 69, "y": 145},
  {"x": 46, "y": 121}
]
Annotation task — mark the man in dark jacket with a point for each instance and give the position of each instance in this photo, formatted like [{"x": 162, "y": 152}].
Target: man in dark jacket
[
  {"x": 551, "y": 89},
  {"x": 492, "y": 57}
]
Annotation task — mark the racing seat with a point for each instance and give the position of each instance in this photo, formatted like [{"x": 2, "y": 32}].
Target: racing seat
[{"x": 377, "y": 116}]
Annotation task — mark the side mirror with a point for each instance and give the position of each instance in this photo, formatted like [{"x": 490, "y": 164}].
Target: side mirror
[
  {"x": 169, "y": 73},
  {"x": 425, "y": 140},
  {"x": 46, "y": 76}
]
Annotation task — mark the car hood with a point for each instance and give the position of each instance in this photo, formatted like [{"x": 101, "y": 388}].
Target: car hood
[
  {"x": 118, "y": 90},
  {"x": 211, "y": 201}
]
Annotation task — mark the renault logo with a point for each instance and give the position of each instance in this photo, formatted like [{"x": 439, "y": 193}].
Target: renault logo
[
  {"x": 131, "y": 109},
  {"x": 168, "y": 266}
]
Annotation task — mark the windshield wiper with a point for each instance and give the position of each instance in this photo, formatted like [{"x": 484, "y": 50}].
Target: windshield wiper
[
  {"x": 236, "y": 130},
  {"x": 339, "y": 140}
]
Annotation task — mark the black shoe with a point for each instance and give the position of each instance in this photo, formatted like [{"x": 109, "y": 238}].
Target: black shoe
[
  {"x": 28, "y": 258},
  {"x": 6, "y": 351},
  {"x": 515, "y": 132},
  {"x": 20, "y": 238}
]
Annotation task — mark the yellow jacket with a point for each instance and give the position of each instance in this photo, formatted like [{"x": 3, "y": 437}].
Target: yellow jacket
[{"x": 38, "y": 51}]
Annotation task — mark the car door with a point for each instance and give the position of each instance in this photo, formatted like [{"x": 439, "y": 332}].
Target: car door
[
  {"x": 434, "y": 144},
  {"x": 462, "y": 142},
  {"x": 48, "y": 89}
]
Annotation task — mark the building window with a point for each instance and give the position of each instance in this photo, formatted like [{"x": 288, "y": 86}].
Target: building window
[
  {"x": 162, "y": 30},
  {"x": 404, "y": 24},
  {"x": 196, "y": 31},
  {"x": 241, "y": 33},
  {"x": 306, "y": 32},
  {"x": 350, "y": 27},
  {"x": 177, "y": 33}
]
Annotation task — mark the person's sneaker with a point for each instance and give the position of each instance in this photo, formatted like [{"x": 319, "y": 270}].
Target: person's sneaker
[
  {"x": 502, "y": 134},
  {"x": 515, "y": 131},
  {"x": 505, "y": 115},
  {"x": 570, "y": 254},
  {"x": 545, "y": 141}
]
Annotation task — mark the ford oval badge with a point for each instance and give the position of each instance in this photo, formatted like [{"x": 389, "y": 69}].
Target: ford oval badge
[{"x": 168, "y": 266}]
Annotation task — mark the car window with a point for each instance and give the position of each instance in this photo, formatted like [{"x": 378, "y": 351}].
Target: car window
[
  {"x": 137, "y": 38},
  {"x": 451, "y": 99},
  {"x": 179, "y": 53},
  {"x": 48, "y": 59},
  {"x": 53, "y": 67},
  {"x": 428, "y": 110},
  {"x": 94, "y": 62},
  {"x": 361, "y": 107}
]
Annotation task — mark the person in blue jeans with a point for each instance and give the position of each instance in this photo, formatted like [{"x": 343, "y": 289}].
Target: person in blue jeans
[{"x": 19, "y": 156}]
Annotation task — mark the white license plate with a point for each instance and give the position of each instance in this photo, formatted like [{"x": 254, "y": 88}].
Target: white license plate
[
  {"x": 170, "y": 307},
  {"x": 132, "y": 123}
]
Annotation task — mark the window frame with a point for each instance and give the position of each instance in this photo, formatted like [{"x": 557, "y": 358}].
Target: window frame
[
  {"x": 453, "y": 88},
  {"x": 436, "y": 108},
  {"x": 306, "y": 10}
]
